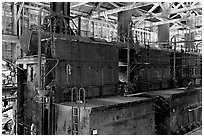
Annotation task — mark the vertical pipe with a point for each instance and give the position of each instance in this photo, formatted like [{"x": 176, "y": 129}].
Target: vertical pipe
[
  {"x": 39, "y": 50},
  {"x": 23, "y": 20},
  {"x": 39, "y": 68},
  {"x": 79, "y": 26},
  {"x": 93, "y": 28},
  {"x": 19, "y": 26},
  {"x": 128, "y": 59},
  {"x": 101, "y": 24},
  {"x": 16, "y": 125},
  {"x": 4, "y": 17},
  {"x": 174, "y": 69},
  {"x": 68, "y": 13},
  {"x": 42, "y": 118},
  {"x": 20, "y": 99},
  {"x": 50, "y": 115},
  {"x": 14, "y": 19},
  {"x": 29, "y": 18}
]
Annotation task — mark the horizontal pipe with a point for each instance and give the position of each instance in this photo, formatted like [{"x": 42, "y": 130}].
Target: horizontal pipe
[
  {"x": 5, "y": 99},
  {"x": 177, "y": 41}
]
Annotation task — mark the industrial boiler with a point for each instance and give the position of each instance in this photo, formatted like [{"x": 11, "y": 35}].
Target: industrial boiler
[{"x": 74, "y": 85}]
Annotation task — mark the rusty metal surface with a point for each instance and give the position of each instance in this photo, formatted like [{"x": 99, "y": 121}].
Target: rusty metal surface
[
  {"x": 177, "y": 111},
  {"x": 124, "y": 118},
  {"x": 93, "y": 66},
  {"x": 112, "y": 115}
]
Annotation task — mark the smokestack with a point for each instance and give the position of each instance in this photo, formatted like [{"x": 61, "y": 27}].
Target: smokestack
[
  {"x": 61, "y": 7},
  {"x": 124, "y": 25}
]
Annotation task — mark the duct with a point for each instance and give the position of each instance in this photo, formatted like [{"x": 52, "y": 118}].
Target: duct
[
  {"x": 124, "y": 25},
  {"x": 163, "y": 34}
]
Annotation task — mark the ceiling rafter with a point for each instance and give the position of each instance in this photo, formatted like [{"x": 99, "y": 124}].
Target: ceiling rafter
[
  {"x": 153, "y": 15},
  {"x": 144, "y": 16},
  {"x": 166, "y": 22},
  {"x": 42, "y": 4},
  {"x": 148, "y": 12},
  {"x": 79, "y": 4},
  {"x": 171, "y": 4},
  {"x": 183, "y": 5},
  {"x": 140, "y": 12},
  {"x": 177, "y": 6},
  {"x": 174, "y": 16},
  {"x": 95, "y": 8},
  {"x": 124, "y": 8},
  {"x": 154, "y": 7},
  {"x": 196, "y": 12},
  {"x": 179, "y": 10},
  {"x": 113, "y": 4},
  {"x": 194, "y": 3},
  {"x": 162, "y": 6}
]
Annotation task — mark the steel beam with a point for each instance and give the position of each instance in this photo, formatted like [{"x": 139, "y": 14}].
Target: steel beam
[{"x": 124, "y": 8}]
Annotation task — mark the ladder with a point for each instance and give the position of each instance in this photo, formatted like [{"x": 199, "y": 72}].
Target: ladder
[{"x": 77, "y": 100}]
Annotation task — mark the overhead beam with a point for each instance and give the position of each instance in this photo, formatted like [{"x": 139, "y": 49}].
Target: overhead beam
[
  {"x": 79, "y": 4},
  {"x": 115, "y": 5},
  {"x": 177, "y": 6},
  {"x": 162, "y": 6},
  {"x": 95, "y": 8},
  {"x": 171, "y": 5},
  {"x": 154, "y": 7},
  {"x": 181, "y": 10},
  {"x": 171, "y": 12},
  {"x": 164, "y": 22},
  {"x": 194, "y": 3},
  {"x": 73, "y": 12},
  {"x": 42, "y": 4},
  {"x": 141, "y": 19},
  {"x": 124, "y": 8},
  {"x": 140, "y": 12},
  {"x": 153, "y": 14}
]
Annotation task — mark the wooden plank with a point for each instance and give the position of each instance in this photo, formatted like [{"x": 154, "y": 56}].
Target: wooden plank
[{"x": 10, "y": 38}]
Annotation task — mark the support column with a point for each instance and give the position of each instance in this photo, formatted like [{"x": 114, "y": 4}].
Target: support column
[{"x": 20, "y": 99}]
